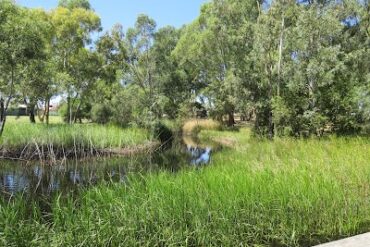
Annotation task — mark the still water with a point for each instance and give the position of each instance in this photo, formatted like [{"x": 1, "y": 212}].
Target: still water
[{"x": 35, "y": 180}]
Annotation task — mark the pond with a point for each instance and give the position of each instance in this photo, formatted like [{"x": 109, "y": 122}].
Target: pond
[{"x": 36, "y": 181}]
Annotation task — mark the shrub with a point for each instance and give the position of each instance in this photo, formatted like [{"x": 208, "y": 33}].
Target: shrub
[
  {"x": 128, "y": 107},
  {"x": 83, "y": 113},
  {"x": 101, "y": 113}
]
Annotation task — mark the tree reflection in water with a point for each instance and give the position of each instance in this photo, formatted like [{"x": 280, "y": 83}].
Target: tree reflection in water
[{"x": 42, "y": 181}]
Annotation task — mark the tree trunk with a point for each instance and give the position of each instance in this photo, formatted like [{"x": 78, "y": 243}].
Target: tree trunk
[
  {"x": 311, "y": 81},
  {"x": 47, "y": 110},
  {"x": 69, "y": 110},
  {"x": 271, "y": 125},
  {"x": 31, "y": 113},
  {"x": 281, "y": 45},
  {"x": 4, "y": 105},
  {"x": 231, "y": 120},
  {"x": 77, "y": 112},
  {"x": 311, "y": 93},
  {"x": 2, "y": 116},
  {"x": 40, "y": 114},
  {"x": 31, "y": 110}
]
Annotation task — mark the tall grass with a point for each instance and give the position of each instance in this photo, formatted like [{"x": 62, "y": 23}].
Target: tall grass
[
  {"x": 25, "y": 138},
  {"x": 62, "y": 134},
  {"x": 259, "y": 193}
]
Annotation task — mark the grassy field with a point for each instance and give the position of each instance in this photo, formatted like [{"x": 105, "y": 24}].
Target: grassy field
[
  {"x": 257, "y": 193},
  {"x": 24, "y": 119},
  {"x": 19, "y": 134}
]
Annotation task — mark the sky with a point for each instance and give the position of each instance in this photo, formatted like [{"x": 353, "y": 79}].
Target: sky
[{"x": 164, "y": 12}]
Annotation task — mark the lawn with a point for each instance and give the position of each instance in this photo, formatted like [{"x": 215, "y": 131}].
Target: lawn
[
  {"x": 287, "y": 192},
  {"x": 24, "y": 119}
]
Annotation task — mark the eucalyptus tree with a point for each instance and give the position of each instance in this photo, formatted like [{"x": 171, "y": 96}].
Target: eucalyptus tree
[
  {"x": 217, "y": 49},
  {"x": 204, "y": 46},
  {"x": 86, "y": 67},
  {"x": 356, "y": 42},
  {"x": 21, "y": 43},
  {"x": 112, "y": 48},
  {"x": 319, "y": 93},
  {"x": 73, "y": 28},
  {"x": 307, "y": 60},
  {"x": 174, "y": 83},
  {"x": 37, "y": 88},
  {"x": 73, "y": 4},
  {"x": 271, "y": 54},
  {"x": 217, "y": 46},
  {"x": 141, "y": 61},
  {"x": 188, "y": 54},
  {"x": 38, "y": 83}
]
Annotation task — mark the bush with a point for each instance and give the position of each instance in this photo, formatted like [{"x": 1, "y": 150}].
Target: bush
[
  {"x": 101, "y": 113},
  {"x": 128, "y": 107},
  {"x": 83, "y": 113}
]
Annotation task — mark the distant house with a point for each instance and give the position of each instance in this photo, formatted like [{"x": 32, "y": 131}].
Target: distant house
[{"x": 22, "y": 109}]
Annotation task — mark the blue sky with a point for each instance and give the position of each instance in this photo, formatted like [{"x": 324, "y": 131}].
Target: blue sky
[{"x": 164, "y": 12}]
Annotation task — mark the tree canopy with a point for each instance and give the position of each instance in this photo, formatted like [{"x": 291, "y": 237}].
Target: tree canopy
[{"x": 73, "y": 4}]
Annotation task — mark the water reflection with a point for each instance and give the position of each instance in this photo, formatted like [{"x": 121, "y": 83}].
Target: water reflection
[
  {"x": 200, "y": 153},
  {"x": 204, "y": 158},
  {"x": 38, "y": 180}
]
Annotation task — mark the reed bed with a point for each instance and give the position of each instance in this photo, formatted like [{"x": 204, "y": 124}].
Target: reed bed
[{"x": 24, "y": 140}]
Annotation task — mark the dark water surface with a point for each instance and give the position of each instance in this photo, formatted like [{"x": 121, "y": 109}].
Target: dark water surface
[{"x": 35, "y": 180}]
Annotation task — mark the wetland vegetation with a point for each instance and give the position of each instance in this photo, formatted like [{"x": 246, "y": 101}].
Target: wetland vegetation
[
  {"x": 247, "y": 127},
  {"x": 26, "y": 141},
  {"x": 287, "y": 192}
]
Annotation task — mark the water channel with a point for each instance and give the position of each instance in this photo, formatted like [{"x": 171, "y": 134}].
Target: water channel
[{"x": 34, "y": 180}]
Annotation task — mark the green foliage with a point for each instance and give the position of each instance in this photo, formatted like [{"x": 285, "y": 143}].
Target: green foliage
[
  {"x": 174, "y": 82},
  {"x": 281, "y": 115},
  {"x": 72, "y": 4},
  {"x": 131, "y": 109},
  {"x": 84, "y": 112},
  {"x": 101, "y": 113}
]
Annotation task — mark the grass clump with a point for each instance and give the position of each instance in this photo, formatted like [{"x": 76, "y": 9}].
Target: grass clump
[
  {"x": 194, "y": 126},
  {"x": 25, "y": 138},
  {"x": 99, "y": 136},
  {"x": 287, "y": 192}
]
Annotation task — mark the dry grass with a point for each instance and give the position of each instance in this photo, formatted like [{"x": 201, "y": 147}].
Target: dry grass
[{"x": 195, "y": 125}]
